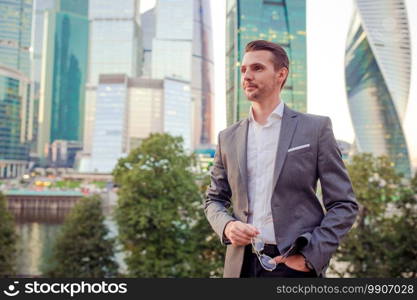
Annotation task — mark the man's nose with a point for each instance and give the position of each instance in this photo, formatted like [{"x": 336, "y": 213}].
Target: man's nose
[{"x": 247, "y": 76}]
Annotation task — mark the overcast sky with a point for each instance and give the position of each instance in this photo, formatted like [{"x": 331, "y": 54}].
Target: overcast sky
[{"x": 327, "y": 26}]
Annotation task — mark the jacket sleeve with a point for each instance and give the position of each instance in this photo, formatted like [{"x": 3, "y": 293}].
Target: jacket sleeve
[
  {"x": 218, "y": 196},
  {"x": 338, "y": 199}
]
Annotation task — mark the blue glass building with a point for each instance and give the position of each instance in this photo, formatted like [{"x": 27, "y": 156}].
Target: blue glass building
[
  {"x": 62, "y": 92},
  {"x": 110, "y": 138},
  {"x": 14, "y": 151},
  {"x": 15, "y": 34},
  {"x": 15, "y": 105},
  {"x": 279, "y": 21}
]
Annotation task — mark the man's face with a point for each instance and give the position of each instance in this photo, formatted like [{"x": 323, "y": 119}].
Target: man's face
[{"x": 258, "y": 77}]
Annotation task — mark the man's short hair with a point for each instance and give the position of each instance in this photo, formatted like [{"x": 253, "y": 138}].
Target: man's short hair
[{"x": 279, "y": 55}]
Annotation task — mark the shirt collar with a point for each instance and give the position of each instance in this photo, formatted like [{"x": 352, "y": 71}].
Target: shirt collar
[{"x": 276, "y": 114}]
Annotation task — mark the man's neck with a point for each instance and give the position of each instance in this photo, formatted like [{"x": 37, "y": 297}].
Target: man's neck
[{"x": 262, "y": 110}]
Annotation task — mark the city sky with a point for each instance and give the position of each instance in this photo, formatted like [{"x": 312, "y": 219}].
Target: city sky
[{"x": 327, "y": 27}]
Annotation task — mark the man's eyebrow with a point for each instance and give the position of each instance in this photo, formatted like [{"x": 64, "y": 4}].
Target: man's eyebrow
[
  {"x": 256, "y": 64},
  {"x": 253, "y": 64}
]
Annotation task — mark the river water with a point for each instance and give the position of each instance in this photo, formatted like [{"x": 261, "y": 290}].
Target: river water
[{"x": 37, "y": 231}]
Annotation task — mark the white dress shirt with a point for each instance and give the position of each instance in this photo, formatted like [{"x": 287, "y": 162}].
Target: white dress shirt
[{"x": 261, "y": 153}]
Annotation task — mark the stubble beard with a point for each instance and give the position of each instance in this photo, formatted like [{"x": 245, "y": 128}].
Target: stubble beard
[{"x": 254, "y": 96}]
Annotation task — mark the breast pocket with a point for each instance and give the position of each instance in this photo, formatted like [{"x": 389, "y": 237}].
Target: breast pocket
[{"x": 296, "y": 150}]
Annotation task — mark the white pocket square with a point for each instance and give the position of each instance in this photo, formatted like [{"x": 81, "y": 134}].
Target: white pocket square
[{"x": 298, "y": 147}]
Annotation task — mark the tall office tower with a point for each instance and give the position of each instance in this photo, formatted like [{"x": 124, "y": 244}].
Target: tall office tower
[
  {"x": 128, "y": 110},
  {"x": 15, "y": 32},
  {"x": 279, "y": 21},
  {"x": 148, "y": 33},
  {"x": 177, "y": 114},
  {"x": 115, "y": 48},
  {"x": 39, "y": 17},
  {"x": 138, "y": 112},
  {"x": 15, "y": 43},
  {"x": 377, "y": 70},
  {"x": 62, "y": 91},
  {"x": 182, "y": 49},
  {"x": 110, "y": 138},
  {"x": 40, "y": 8},
  {"x": 146, "y": 109},
  {"x": 14, "y": 94}
]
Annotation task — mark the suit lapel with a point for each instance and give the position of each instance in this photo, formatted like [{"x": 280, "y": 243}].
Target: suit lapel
[
  {"x": 288, "y": 125},
  {"x": 241, "y": 151}
]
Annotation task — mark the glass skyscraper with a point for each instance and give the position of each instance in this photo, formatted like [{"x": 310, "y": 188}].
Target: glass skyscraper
[
  {"x": 110, "y": 138},
  {"x": 177, "y": 110},
  {"x": 377, "y": 70},
  {"x": 40, "y": 8},
  {"x": 14, "y": 151},
  {"x": 15, "y": 86},
  {"x": 146, "y": 109},
  {"x": 15, "y": 34},
  {"x": 64, "y": 69},
  {"x": 279, "y": 21},
  {"x": 115, "y": 48},
  {"x": 128, "y": 110},
  {"x": 148, "y": 30},
  {"x": 182, "y": 49}
]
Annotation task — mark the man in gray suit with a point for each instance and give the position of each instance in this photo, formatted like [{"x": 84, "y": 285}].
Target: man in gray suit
[{"x": 266, "y": 168}]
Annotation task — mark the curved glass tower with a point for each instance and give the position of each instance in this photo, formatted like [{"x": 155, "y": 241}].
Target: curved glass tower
[{"x": 377, "y": 70}]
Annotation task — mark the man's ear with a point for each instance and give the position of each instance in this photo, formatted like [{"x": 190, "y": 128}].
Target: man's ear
[{"x": 282, "y": 74}]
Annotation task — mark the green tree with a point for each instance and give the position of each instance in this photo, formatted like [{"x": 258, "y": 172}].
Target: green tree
[
  {"x": 210, "y": 252},
  {"x": 7, "y": 240},
  {"x": 401, "y": 232},
  {"x": 82, "y": 248},
  {"x": 161, "y": 222},
  {"x": 382, "y": 241}
]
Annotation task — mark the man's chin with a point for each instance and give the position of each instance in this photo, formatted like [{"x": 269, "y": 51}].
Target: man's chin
[{"x": 252, "y": 96}]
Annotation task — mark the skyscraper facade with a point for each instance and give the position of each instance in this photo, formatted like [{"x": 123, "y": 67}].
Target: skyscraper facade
[
  {"x": 14, "y": 151},
  {"x": 110, "y": 138},
  {"x": 279, "y": 21},
  {"x": 62, "y": 92},
  {"x": 128, "y": 110},
  {"x": 39, "y": 21},
  {"x": 377, "y": 71},
  {"x": 16, "y": 120},
  {"x": 177, "y": 115},
  {"x": 146, "y": 109},
  {"x": 15, "y": 34},
  {"x": 148, "y": 33},
  {"x": 115, "y": 48},
  {"x": 40, "y": 7},
  {"x": 182, "y": 49}
]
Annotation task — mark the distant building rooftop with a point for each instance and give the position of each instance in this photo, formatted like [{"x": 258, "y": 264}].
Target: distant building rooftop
[{"x": 43, "y": 193}]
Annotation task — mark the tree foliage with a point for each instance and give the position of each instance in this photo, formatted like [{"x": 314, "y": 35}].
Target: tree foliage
[
  {"x": 160, "y": 217},
  {"x": 382, "y": 241},
  {"x": 7, "y": 240},
  {"x": 82, "y": 248}
]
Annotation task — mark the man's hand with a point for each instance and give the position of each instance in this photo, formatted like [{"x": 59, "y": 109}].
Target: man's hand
[
  {"x": 240, "y": 233},
  {"x": 296, "y": 262}
]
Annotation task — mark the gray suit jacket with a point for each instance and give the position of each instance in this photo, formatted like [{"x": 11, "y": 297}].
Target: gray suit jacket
[{"x": 296, "y": 211}]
